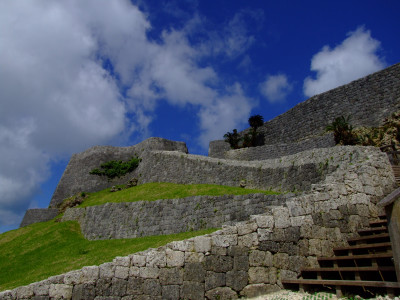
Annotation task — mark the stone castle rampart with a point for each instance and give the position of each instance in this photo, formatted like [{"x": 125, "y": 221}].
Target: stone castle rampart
[
  {"x": 368, "y": 101},
  {"x": 246, "y": 259},
  {"x": 143, "y": 218},
  {"x": 76, "y": 177}
]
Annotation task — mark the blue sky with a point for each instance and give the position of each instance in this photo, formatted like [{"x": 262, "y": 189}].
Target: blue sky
[{"x": 74, "y": 74}]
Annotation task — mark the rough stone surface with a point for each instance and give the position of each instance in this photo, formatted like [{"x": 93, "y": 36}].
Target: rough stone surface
[{"x": 368, "y": 100}]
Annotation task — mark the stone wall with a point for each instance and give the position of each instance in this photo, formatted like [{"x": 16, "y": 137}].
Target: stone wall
[
  {"x": 161, "y": 217},
  {"x": 36, "y": 215},
  {"x": 288, "y": 173},
  {"x": 368, "y": 101},
  {"x": 76, "y": 177},
  {"x": 279, "y": 150},
  {"x": 342, "y": 168},
  {"x": 246, "y": 259}
]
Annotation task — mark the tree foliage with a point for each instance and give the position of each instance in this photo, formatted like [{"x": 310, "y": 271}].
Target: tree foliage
[{"x": 342, "y": 131}]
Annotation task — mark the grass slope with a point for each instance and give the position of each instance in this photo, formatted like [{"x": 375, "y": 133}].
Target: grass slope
[
  {"x": 163, "y": 190},
  {"x": 41, "y": 250}
]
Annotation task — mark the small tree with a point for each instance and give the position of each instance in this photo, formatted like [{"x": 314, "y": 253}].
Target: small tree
[
  {"x": 255, "y": 122},
  {"x": 342, "y": 131},
  {"x": 232, "y": 138}
]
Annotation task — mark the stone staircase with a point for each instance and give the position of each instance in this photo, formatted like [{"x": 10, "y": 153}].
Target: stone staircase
[{"x": 364, "y": 268}]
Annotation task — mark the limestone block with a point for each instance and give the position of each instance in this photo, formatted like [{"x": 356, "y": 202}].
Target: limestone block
[
  {"x": 241, "y": 262},
  {"x": 236, "y": 280},
  {"x": 263, "y": 221},
  {"x": 118, "y": 287},
  {"x": 184, "y": 246},
  {"x": 273, "y": 275},
  {"x": 138, "y": 260},
  {"x": 281, "y": 260},
  {"x": 287, "y": 274},
  {"x": 149, "y": 272},
  {"x": 170, "y": 292},
  {"x": 194, "y": 272},
  {"x": 248, "y": 240},
  {"x": 192, "y": 290},
  {"x": 257, "y": 258},
  {"x": 174, "y": 258},
  {"x": 24, "y": 292},
  {"x": 41, "y": 288},
  {"x": 301, "y": 220},
  {"x": 106, "y": 270},
  {"x": 121, "y": 272},
  {"x": 213, "y": 280},
  {"x": 229, "y": 229},
  {"x": 83, "y": 291},
  {"x": 218, "y": 263},
  {"x": 258, "y": 275},
  {"x": 221, "y": 293},
  {"x": 255, "y": 290},
  {"x": 135, "y": 286},
  {"x": 74, "y": 277},
  {"x": 202, "y": 244},
  {"x": 281, "y": 217},
  {"x": 156, "y": 259},
  {"x": 151, "y": 287},
  {"x": 193, "y": 257},
  {"x": 171, "y": 276},
  {"x": 90, "y": 274},
  {"x": 246, "y": 227},
  {"x": 224, "y": 240},
  {"x": 60, "y": 291},
  {"x": 314, "y": 247},
  {"x": 134, "y": 271},
  {"x": 264, "y": 234},
  {"x": 124, "y": 261}
]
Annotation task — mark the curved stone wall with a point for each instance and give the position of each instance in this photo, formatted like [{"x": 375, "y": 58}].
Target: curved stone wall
[{"x": 76, "y": 177}]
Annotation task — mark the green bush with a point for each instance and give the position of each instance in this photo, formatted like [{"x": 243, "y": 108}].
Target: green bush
[{"x": 116, "y": 168}]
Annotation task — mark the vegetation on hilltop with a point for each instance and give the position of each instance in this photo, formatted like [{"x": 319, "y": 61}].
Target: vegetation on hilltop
[{"x": 386, "y": 134}]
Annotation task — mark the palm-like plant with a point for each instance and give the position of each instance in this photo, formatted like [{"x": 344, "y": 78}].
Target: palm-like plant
[
  {"x": 342, "y": 131},
  {"x": 255, "y": 122},
  {"x": 232, "y": 138}
]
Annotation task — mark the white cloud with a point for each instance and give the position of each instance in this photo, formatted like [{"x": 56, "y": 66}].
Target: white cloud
[
  {"x": 58, "y": 97},
  {"x": 355, "y": 57},
  {"x": 276, "y": 87},
  {"x": 227, "y": 112}
]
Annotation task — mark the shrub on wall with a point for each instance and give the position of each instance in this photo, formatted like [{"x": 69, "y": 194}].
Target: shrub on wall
[{"x": 116, "y": 168}]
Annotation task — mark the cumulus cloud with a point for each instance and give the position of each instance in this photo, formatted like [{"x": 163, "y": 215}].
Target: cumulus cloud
[
  {"x": 78, "y": 73},
  {"x": 355, "y": 57},
  {"x": 276, "y": 87}
]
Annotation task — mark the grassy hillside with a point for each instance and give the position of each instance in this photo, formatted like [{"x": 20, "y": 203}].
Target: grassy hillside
[
  {"x": 41, "y": 250},
  {"x": 163, "y": 190}
]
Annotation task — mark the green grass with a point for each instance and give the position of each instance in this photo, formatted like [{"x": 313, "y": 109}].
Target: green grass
[
  {"x": 163, "y": 190},
  {"x": 41, "y": 250}
]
